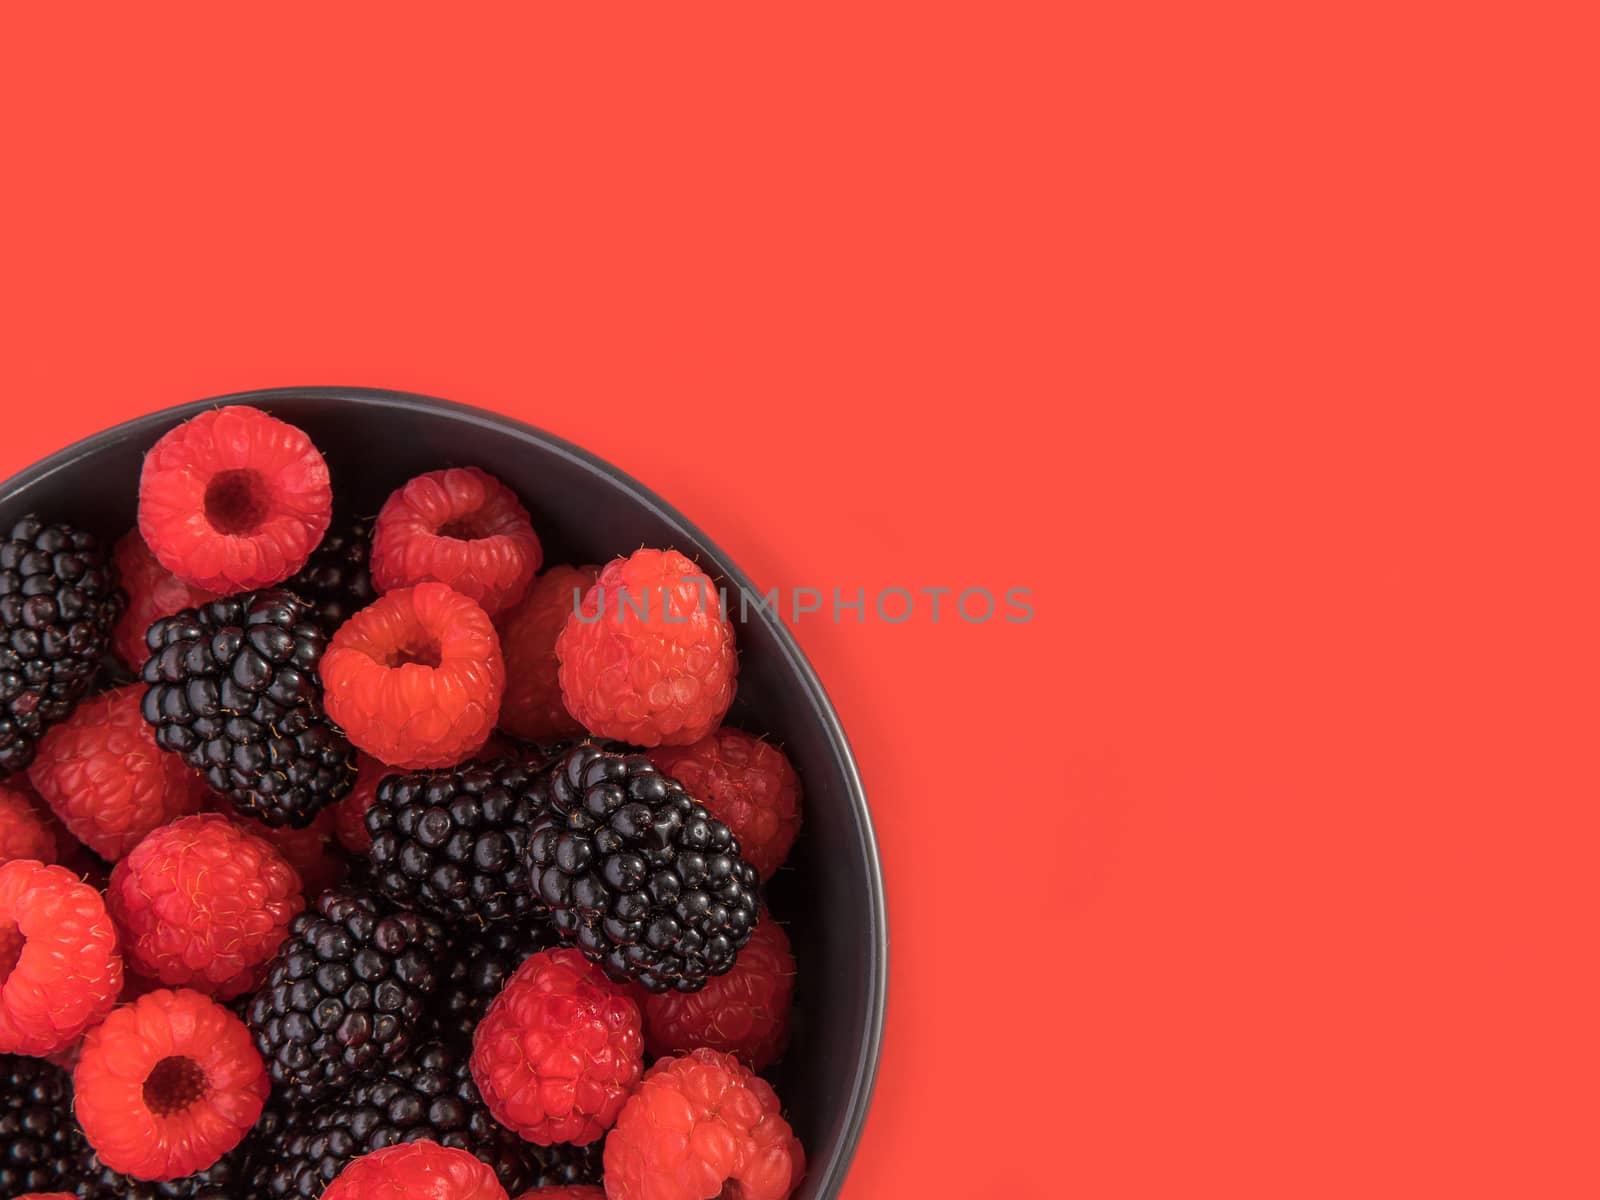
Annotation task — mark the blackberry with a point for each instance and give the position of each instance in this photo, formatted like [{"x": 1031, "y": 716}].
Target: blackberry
[
  {"x": 220, "y": 1181},
  {"x": 41, "y": 1146},
  {"x": 58, "y": 604},
  {"x": 335, "y": 581},
  {"x": 476, "y": 974},
  {"x": 452, "y": 842},
  {"x": 429, "y": 1094},
  {"x": 346, "y": 994},
  {"x": 233, "y": 687},
  {"x": 636, "y": 873}
]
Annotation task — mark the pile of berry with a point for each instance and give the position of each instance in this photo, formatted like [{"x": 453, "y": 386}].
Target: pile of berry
[{"x": 403, "y": 868}]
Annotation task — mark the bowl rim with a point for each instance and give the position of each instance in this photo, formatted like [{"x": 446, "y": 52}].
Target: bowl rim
[{"x": 869, "y": 1053}]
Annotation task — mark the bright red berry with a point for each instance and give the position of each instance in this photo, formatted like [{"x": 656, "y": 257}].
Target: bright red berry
[
  {"x": 533, "y": 707},
  {"x": 581, "y": 1191},
  {"x": 697, "y": 1123},
  {"x": 313, "y": 852},
  {"x": 167, "y": 1085},
  {"x": 201, "y": 903},
  {"x": 23, "y": 832},
  {"x": 745, "y": 1012},
  {"x": 153, "y": 592},
  {"x": 350, "y": 814},
  {"x": 420, "y": 1170},
  {"x": 415, "y": 679},
  {"x": 649, "y": 658},
  {"x": 108, "y": 781},
  {"x": 747, "y": 784},
  {"x": 59, "y": 967},
  {"x": 461, "y": 527},
  {"x": 558, "y": 1050},
  {"x": 234, "y": 499},
  {"x": 55, "y": 1196}
]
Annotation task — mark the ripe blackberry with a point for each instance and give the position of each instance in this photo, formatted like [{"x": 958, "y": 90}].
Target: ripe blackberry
[
  {"x": 636, "y": 873},
  {"x": 41, "y": 1146},
  {"x": 336, "y": 582},
  {"x": 478, "y": 972},
  {"x": 220, "y": 1181},
  {"x": 452, "y": 842},
  {"x": 429, "y": 1094},
  {"x": 346, "y": 994},
  {"x": 58, "y": 605},
  {"x": 233, "y": 687}
]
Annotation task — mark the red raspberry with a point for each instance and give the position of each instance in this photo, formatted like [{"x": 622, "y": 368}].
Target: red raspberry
[
  {"x": 108, "y": 781},
  {"x": 462, "y": 527},
  {"x": 153, "y": 592},
  {"x": 204, "y": 904},
  {"x": 59, "y": 967},
  {"x": 234, "y": 499},
  {"x": 167, "y": 1085},
  {"x": 745, "y": 783},
  {"x": 581, "y": 1191},
  {"x": 696, "y": 1123},
  {"x": 415, "y": 679},
  {"x": 350, "y": 814},
  {"x": 745, "y": 1012},
  {"x": 60, "y": 1196},
  {"x": 313, "y": 851},
  {"x": 650, "y": 658},
  {"x": 23, "y": 832},
  {"x": 558, "y": 1050},
  {"x": 533, "y": 708},
  {"x": 420, "y": 1170}
]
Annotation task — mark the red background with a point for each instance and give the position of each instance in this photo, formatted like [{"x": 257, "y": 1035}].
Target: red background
[{"x": 1256, "y": 339}]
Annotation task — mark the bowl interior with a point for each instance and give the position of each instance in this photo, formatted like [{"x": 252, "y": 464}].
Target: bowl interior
[{"x": 830, "y": 894}]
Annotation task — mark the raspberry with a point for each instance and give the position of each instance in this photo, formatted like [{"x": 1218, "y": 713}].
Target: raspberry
[
  {"x": 416, "y": 678},
  {"x": 59, "y": 967},
  {"x": 201, "y": 903},
  {"x": 699, "y": 1122},
  {"x": 745, "y": 1012},
  {"x": 460, "y": 527},
  {"x": 649, "y": 659},
  {"x": 234, "y": 499},
  {"x": 153, "y": 592},
  {"x": 533, "y": 707},
  {"x": 745, "y": 783},
  {"x": 312, "y": 851},
  {"x": 350, "y": 814},
  {"x": 52, "y": 1196},
  {"x": 420, "y": 1170},
  {"x": 584, "y": 1191},
  {"x": 23, "y": 832},
  {"x": 108, "y": 781},
  {"x": 167, "y": 1085},
  {"x": 559, "y": 1050}
]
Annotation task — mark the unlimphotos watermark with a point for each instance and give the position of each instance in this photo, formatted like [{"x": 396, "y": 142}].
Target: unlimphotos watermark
[{"x": 891, "y": 605}]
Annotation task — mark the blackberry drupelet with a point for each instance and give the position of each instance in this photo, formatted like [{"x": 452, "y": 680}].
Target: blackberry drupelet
[
  {"x": 58, "y": 604},
  {"x": 452, "y": 842},
  {"x": 346, "y": 994},
  {"x": 220, "y": 1181},
  {"x": 429, "y": 1094},
  {"x": 335, "y": 582},
  {"x": 636, "y": 873},
  {"x": 41, "y": 1146},
  {"x": 478, "y": 972},
  {"x": 233, "y": 687}
]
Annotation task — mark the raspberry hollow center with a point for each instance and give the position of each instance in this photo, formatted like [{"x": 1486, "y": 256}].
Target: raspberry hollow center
[
  {"x": 237, "y": 501},
  {"x": 424, "y": 652},
  {"x": 11, "y": 944},
  {"x": 468, "y": 527},
  {"x": 173, "y": 1085}
]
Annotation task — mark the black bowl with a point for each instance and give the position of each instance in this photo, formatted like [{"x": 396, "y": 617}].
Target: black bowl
[{"x": 830, "y": 896}]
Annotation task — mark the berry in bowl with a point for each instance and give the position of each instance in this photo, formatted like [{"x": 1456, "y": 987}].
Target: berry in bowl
[{"x": 388, "y": 803}]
